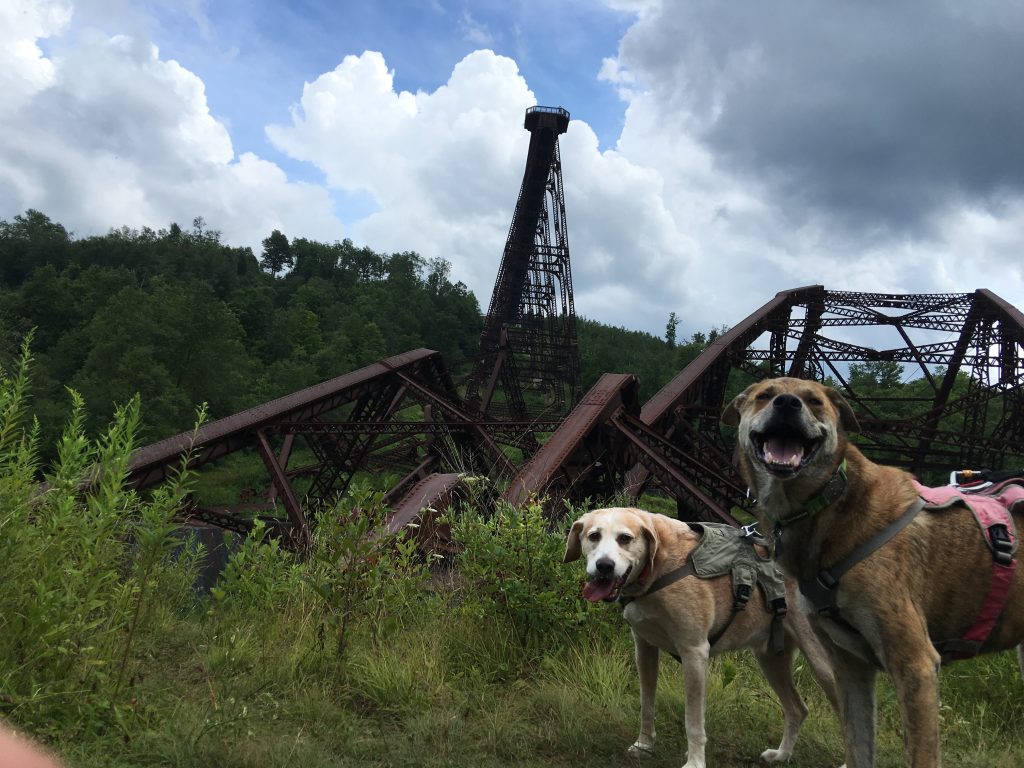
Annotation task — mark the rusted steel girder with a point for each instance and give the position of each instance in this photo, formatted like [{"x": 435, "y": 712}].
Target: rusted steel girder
[
  {"x": 964, "y": 409},
  {"x": 369, "y": 430},
  {"x": 154, "y": 463},
  {"x": 701, "y": 489},
  {"x": 583, "y": 458},
  {"x": 420, "y": 509}
]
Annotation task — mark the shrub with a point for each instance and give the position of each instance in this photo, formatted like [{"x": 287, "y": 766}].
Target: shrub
[
  {"x": 81, "y": 553},
  {"x": 510, "y": 564},
  {"x": 259, "y": 576},
  {"x": 360, "y": 572}
]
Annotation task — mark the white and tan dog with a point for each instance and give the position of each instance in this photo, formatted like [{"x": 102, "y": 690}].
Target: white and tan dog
[
  {"x": 882, "y": 604},
  {"x": 626, "y": 551}
]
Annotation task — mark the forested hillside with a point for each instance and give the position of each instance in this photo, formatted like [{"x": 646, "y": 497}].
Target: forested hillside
[{"x": 182, "y": 318}]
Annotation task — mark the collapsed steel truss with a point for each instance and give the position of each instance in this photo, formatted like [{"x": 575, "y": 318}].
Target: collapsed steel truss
[
  {"x": 957, "y": 357},
  {"x": 401, "y": 416}
]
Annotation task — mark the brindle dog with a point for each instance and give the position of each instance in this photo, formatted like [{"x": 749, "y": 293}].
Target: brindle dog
[{"x": 927, "y": 583}]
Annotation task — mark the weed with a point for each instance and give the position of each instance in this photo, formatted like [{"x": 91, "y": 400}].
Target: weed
[{"x": 360, "y": 571}]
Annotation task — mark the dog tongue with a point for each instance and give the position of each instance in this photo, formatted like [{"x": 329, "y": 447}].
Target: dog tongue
[
  {"x": 780, "y": 450},
  {"x": 597, "y": 590}
]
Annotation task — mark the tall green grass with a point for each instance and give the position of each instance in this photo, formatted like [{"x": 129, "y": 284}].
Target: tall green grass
[{"x": 364, "y": 654}]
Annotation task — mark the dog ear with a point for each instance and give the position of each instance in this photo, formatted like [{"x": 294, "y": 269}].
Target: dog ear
[
  {"x": 731, "y": 414},
  {"x": 653, "y": 540},
  {"x": 573, "y": 547},
  {"x": 846, "y": 415}
]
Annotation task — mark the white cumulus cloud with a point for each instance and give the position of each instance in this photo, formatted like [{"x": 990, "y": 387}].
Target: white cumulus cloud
[{"x": 107, "y": 133}]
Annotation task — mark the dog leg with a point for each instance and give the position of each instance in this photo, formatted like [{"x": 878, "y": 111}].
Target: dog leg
[
  {"x": 915, "y": 678},
  {"x": 814, "y": 652},
  {"x": 778, "y": 671},
  {"x": 647, "y": 671},
  {"x": 695, "y": 681},
  {"x": 855, "y": 679}
]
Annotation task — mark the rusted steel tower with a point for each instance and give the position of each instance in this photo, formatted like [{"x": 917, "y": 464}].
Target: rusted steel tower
[{"x": 529, "y": 338}]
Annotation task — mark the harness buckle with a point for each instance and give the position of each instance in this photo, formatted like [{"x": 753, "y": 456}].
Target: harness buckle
[
  {"x": 826, "y": 604},
  {"x": 827, "y": 580},
  {"x": 1002, "y": 544},
  {"x": 749, "y": 531},
  {"x": 742, "y": 596},
  {"x": 779, "y": 606}
]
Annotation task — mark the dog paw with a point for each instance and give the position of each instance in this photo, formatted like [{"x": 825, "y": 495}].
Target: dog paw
[
  {"x": 776, "y": 756},
  {"x": 640, "y": 749}
]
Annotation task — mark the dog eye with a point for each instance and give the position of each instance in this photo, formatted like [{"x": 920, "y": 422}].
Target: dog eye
[
  {"x": 623, "y": 539},
  {"x": 594, "y": 536},
  {"x": 764, "y": 396},
  {"x": 815, "y": 401}
]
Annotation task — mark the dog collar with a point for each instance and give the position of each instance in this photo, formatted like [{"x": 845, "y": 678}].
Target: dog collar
[{"x": 829, "y": 494}]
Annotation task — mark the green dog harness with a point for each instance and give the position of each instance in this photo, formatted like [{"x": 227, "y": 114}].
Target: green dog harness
[{"x": 725, "y": 549}]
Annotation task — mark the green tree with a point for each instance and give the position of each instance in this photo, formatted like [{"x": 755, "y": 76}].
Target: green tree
[
  {"x": 312, "y": 259},
  {"x": 876, "y": 375},
  {"x": 176, "y": 346},
  {"x": 28, "y": 242},
  {"x": 670, "y": 330},
  {"x": 277, "y": 253}
]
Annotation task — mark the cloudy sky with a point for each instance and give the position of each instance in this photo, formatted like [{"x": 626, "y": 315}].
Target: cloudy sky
[{"x": 718, "y": 152}]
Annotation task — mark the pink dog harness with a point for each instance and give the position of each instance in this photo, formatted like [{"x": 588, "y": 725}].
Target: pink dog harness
[{"x": 991, "y": 507}]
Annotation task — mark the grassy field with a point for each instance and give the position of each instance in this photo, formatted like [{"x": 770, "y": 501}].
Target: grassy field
[
  {"x": 439, "y": 669},
  {"x": 442, "y": 690}
]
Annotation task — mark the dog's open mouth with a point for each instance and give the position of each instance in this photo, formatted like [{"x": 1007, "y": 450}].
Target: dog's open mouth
[
  {"x": 606, "y": 589},
  {"x": 785, "y": 451}
]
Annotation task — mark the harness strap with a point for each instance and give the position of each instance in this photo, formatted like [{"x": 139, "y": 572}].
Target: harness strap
[
  {"x": 822, "y": 589},
  {"x": 777, "y": 636},
  {"x": 739, "y": 603},
  {"x": 663, "y": 581},
  {"x": 997, "y": 529}
]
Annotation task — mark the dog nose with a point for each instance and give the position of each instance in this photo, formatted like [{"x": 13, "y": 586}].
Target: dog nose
[
  {"x": 787, "y": 403},
  {"x": 605, "y": 566}
]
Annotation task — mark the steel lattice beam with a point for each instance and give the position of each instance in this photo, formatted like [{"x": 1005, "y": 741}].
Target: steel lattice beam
[
  {"x": 964, "y": 409},
  {"x": 353, "y": 423},
  {"x": 582, "y": 458}
]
